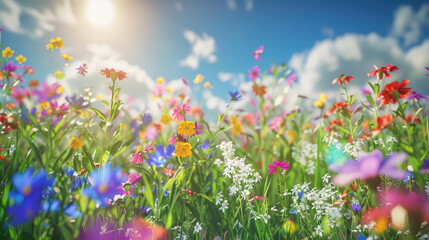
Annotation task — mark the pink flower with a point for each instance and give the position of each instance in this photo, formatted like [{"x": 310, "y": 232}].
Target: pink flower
[
  {"x": 291, "y": 78},
  {"x": 253, "y": 102},
  {"x": 148, "y": 148},
  {"x": 254, "y": 73},
  {"x": 172, "y": 140},
  {"x": 151, "y": 133},
  {"x": 185, "y": 81},
  {"x": 180, "y": 112},
  {"x": 276, "y": 165},
  {"x": 275, "y": 123},
  {"x": 258, "y": 51},
  {"x": 19, "y": 96},
  {"x": 82, "y": 69},
  {"x": 158, "y": 90},
  {"x": 255, "y": 197},
  {"x": 136, "y": 158}
]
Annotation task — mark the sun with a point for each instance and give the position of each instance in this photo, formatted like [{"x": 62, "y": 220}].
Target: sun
[{"x": 100, "y": 13}]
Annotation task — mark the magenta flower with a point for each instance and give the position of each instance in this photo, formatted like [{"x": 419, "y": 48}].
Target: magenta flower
[
  {"x": 255, "y": 197},
  {"x": 47, "y": 93},
  {"x": 185, "y": 81},
  {"x": 277, "y": 165},
  {"x": 254, "y": 73},
  {"x": 82, "y": 69},
  {"x": 258, "y": 51},
  {"x": 136, "y": 158},
  {"x": 180, "y": 111},
  {"x": 370, "y": 166},
  {"x": 428, "y": 70},
  {"x": 198, "y": 130},
  {"x": 20, "y": 95},
  {"x": 291, "y": 78},
  {"x": 148, "y": 148}
]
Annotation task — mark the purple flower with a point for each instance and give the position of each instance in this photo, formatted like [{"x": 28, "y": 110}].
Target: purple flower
[
  {"x": 47, "y": 93},
  {"x": 414, "y": 96},
  {"x": 77, "y": 103},
  {"x": 365, "y": 91},
  {"x": 254, "y": 73},
  {"x": 409, "y": 177},
  {"x": 356, "y": 207},
  {"x": 370, "y": 166},
  {"x": 146, "y": 118},
  {"x": 9, "y": 67},
  {"x": 425, "y": 168}
]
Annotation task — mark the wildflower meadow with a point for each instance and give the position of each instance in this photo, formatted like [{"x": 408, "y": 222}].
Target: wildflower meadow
[{"x": 83, "y": 166}]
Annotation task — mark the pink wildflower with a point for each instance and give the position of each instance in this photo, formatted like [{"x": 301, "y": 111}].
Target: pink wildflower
[
  {"x": 82, "y": 69},
  {"x": 180, "y": 112},
  {"x": 277, "y": 165},
  {"x": 257, "y": 52},
  {"x": 136, "y": 158},
  {"x": 254, "y": 73}
]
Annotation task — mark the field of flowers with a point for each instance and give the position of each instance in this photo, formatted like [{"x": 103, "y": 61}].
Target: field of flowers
[{"x": 77, "y": 166}]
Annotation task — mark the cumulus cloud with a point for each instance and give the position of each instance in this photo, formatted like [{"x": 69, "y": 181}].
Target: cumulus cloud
[
  {"x": 25, "y": 19},
  {"x": 232, "y": 4},
  {"x": 214, "y": 103},
  {"x": 138, "y": 85},
  {"x": 355, "y": 54},
  {"x": 408, "y": 24},
  {"x": 234, "y": 79},
  {"x": 328, "y": 32},
  {"x": 203, "y": 47}
]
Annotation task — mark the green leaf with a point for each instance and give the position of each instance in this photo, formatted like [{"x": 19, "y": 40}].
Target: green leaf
[
  {"x": 407, "y": 148},
  {"x": 343, "y": 129},
  {"x": 99, "y": 114},
  {"x": 148, "y": 192},
  {"x": 116, "y": 93},
  {"x": 105, "y": 102},
  {"x": 115, "y": 147},
  {"x": 370, "y": 99},
  {"x": 376, "y": 88}
]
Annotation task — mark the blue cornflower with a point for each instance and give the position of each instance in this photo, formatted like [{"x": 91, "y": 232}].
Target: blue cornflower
[
  {"x": 235, "y": 95},
  {"x": 204, "y": 146},
  {"x": 409, "y": 177},
  {"x": 356, "y": 207},
  {"x": 26, "y": 195},
  {"x": 105, "y": 182},
  {"x": 161, "y": 156},
  {"x": 54, "y": 205}
]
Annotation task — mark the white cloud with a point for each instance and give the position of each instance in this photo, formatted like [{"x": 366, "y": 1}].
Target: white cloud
[
  {"x": 235, "y": 79},
  {"x": 328, "y": 32},
  {"x": 213, "y": 102},
  {"x": 179, "y": 7},
  {"x": 37, "y": 22},
  {"x": 203, "y": 47},
  {"x": 138, "y": 85},
  {"x": 232, "y": 4},
  {"x": 408, "y": 24}
]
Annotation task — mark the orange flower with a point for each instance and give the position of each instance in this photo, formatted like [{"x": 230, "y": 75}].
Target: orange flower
[
  {"x": 393, "y": 91},
  {"x": 259, "y": 90},
  {"x": 33, "y": 83},
  {"x": 111, "y": 73}
]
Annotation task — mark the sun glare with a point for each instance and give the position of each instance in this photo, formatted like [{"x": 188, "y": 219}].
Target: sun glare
[{"x": 100, "y": 13}]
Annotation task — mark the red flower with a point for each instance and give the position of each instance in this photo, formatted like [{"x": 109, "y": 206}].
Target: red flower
[
  {"x": 109, "y": 72},
  {"x": 259, "y": 90},
  {"x": 393, "y": 91},
  {"x": 343, "y": 79},
  {"x": 383, "y": 71},
  {"x": 337, "y": 107}
]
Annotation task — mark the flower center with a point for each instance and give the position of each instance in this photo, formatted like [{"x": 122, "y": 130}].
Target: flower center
[
  {"x": 103, "y": 188},
  {"x": 27, "y": 190}
]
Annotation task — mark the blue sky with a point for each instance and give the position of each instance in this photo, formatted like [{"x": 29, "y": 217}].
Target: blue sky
[{"x": 150, "y": 35}]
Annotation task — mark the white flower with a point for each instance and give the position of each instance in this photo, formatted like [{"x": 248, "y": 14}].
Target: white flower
[
  {"x": 198, "y": 227},
  {"x": 318, "y": 231},
  {"x": 326, "y": 178},
  {"x": 224, "y": 206}
]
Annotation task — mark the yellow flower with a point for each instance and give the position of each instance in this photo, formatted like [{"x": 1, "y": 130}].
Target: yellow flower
[
  {"x": 321, "y": 102},
  {"x": 169, "y": 89},
  {"x": 76, "y": 143},
  {"x": 56, "y": 43},
  {"x": 208, "y": 85},
  {"x": 160, "y": 80},
  {"x": 236, "y": 126},
  {"x": 186, "y": 128},
  {"x": 1, "y": 76},
  {"x": 20, "y": 59},
  {"x": 165, "y": 119},
  {"x": 183, "y": 149},
  {"x": 199, "y": 78},
  {"x": 49, "y": 46},
  {"x": 291, "y": 135},
  {"x": 67, "y": 57},
  {"x": 7, "y": 52},
  {"x": 289, "y": 227},
  {"x": 142, "y": 133},
  {"x": 57, "y": 74}
]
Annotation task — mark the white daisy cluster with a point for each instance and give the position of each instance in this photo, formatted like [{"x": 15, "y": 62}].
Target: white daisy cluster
[
  {"x": 243, "y": 175},
  {"x": 355, "y": 149},
  {"x": 389, "y": 142},
  {"x": 332, "y": 139},
  {"x": 306, "y": 199}
]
